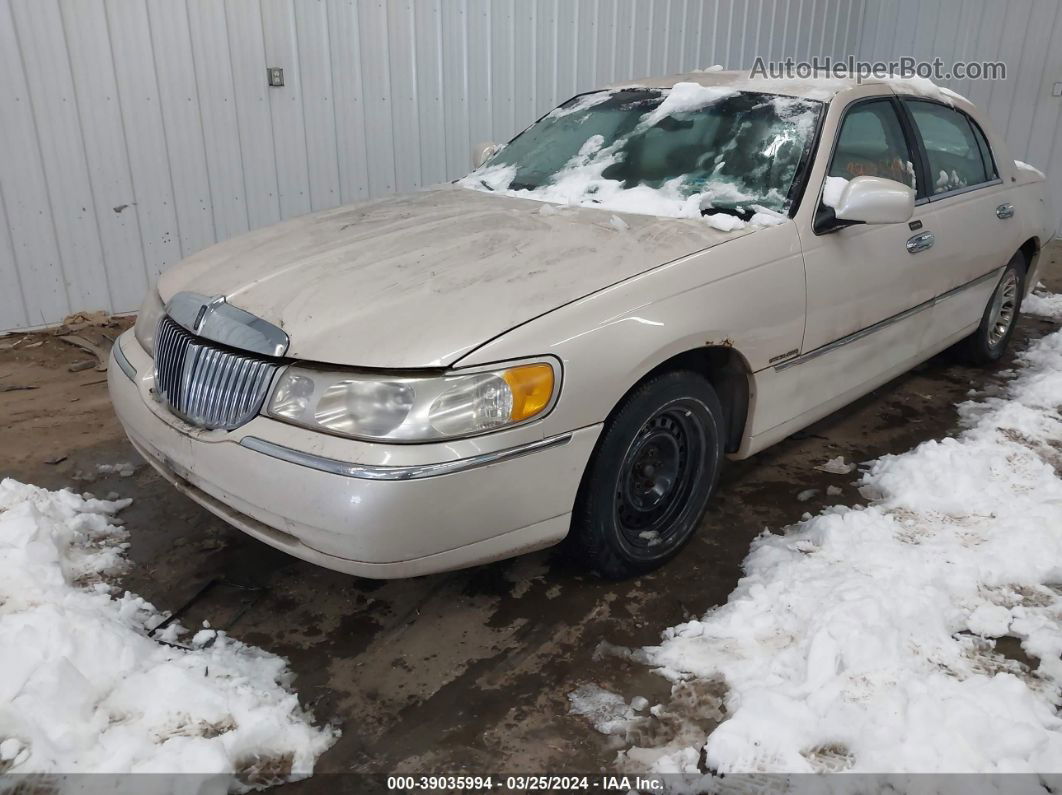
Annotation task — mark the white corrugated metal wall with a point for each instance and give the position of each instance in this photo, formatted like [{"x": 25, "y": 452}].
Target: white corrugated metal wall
[
  {"x": 1025, "y": 34},
  {"x": 135, "y": 132}
]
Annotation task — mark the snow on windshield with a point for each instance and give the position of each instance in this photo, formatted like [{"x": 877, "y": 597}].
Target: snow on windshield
[{"x": 685, "y": 152}]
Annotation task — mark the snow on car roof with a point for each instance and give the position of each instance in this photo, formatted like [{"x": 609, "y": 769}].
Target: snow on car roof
[{"x": 822, "y": 86}]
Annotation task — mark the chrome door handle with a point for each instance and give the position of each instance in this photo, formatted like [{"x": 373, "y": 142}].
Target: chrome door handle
[
  {"x": 921, "y": 242},
  {"x": 1005, "y": 210}
]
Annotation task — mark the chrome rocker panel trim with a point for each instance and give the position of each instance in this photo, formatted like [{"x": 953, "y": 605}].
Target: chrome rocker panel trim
[
  {"x": 413, "y": 472},
  {"x": 866, "y": 332}
]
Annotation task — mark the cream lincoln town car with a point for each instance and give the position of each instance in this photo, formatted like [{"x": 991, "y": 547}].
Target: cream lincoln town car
[{"x": 566, "y": 343}]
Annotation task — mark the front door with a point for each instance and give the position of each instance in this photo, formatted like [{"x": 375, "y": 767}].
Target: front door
[{"x": 864, "y": 275}]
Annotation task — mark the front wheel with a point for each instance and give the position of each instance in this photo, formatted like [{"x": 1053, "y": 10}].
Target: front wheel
[
  {"x": 989, "y": 342},
  {"x": 650, "y": 477}
]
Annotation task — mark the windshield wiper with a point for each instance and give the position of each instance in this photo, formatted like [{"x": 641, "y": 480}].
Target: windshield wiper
[{"x": 743, "y": 213}]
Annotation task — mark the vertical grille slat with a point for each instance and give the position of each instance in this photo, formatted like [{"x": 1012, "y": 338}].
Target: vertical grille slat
[{"x": 207, "y": 384}]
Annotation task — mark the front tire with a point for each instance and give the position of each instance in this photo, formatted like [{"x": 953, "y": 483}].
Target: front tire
[
  {"x": 650, "y": 477},
  {"x": 989, "y": 342}
]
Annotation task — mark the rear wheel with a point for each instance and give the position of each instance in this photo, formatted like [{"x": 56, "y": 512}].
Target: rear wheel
[
  {"x": 650, "y": 477},
  {"x": 989, "y": 342}
]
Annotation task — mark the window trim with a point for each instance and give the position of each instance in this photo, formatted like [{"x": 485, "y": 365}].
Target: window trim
[
  {"x": 974, "y": 126},
  {"x": 799, "y": 189},
  {"x": 986, "y": 151},
  {"x": 913, "y": 148}
]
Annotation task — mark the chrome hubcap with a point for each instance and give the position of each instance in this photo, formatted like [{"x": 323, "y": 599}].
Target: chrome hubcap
[{"x": 1004, "y": 307}]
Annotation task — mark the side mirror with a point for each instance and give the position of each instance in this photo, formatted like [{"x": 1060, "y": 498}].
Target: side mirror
[
  {"x": 875, "y": 200},
  {"x": 481, "y": 153}
]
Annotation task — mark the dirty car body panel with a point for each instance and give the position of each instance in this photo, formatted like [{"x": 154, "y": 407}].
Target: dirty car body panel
[{"x": 788, "y": 322}]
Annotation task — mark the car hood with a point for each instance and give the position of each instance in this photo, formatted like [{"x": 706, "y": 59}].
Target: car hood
[{"x": 422, "y": 279}]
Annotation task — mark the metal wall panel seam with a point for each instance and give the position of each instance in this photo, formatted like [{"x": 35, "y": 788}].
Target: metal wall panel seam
[
  {"x": 86, "y": 41},
  {"x": 269, "y": 103},
  {"x": 40, "y": 155},
  {"x": 6, "y": 233},
  {"x": 1011, "y": 96},
  {"x": 235, "y": 108},
  {"x": 297, "y": 59},
  {"x": 175, "y": 192},
  {"x": 1042, "y": 83},
  {"x": 202, "y": 125},
  {"x": 125, "y": 146},
  {"x": 88, "y": 170}
]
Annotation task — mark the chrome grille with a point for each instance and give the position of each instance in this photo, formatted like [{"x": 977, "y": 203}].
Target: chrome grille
[{"x": 207, "y": 384}]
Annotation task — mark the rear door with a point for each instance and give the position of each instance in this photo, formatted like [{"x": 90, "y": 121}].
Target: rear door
[{"x": 968, "y": 212}]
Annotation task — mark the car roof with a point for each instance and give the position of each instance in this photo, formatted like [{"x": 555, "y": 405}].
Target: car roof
[{"x": 821, "y": 85}]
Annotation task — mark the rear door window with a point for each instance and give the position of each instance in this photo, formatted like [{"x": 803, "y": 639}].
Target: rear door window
[{"x": 955, "y": 159}]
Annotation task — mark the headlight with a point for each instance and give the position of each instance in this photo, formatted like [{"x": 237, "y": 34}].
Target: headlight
[
  {"x": 413, "y": 409},
  {"x": 147, "y": 320}
]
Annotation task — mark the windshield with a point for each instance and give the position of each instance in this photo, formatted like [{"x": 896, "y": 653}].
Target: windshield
[{"x": 685, "y": 151}]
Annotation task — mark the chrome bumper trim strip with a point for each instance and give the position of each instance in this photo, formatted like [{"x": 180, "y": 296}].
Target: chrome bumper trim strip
[
  {"x": 123, "y": 364},
  {"x": 866, "y": 332},
  {"x": 413, "y": 472}
]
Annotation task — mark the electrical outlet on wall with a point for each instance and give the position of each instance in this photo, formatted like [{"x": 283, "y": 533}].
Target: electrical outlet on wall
[{"x": 275, "y": 75}]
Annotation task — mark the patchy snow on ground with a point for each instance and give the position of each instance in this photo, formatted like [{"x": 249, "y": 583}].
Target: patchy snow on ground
[
  {"x": 1047, "y": 305},
  {"x": 866, "y": 638},
  {"x": 607, "y": 711},
  {"x": 836, "y": 466},
  {"x": 84, "y": 689}
]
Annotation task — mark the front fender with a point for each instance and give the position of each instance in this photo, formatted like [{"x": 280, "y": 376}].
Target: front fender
[{"x": 747, "y": 294}]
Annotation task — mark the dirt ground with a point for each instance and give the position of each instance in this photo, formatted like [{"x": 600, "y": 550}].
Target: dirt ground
[{"x": 467, "y": 671}]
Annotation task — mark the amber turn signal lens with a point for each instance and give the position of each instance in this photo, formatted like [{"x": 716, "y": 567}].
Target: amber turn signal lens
[{"x": 532, "y": 388}]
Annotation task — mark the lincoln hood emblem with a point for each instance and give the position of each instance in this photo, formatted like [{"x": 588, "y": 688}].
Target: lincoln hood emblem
[{"x": 214, "y": 318}]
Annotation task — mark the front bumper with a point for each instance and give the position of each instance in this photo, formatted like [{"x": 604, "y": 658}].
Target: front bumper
[{"x": 365, "y": 516}]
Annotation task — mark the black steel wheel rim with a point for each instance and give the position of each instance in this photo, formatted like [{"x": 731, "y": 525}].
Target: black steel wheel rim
[{"x": 657, "y": 477}]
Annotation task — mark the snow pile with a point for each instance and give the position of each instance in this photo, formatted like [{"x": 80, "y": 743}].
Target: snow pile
[
  {"x": 865, "y": 638},
  {"x": 84, "y": 689},
  {"x": 925, "y": 87},
  {"x": 585, "y": 102},
  {"x": 1047, "y": 305},
  {"x": 832, "y": 190},
  {"x": 683, "y": 98}
]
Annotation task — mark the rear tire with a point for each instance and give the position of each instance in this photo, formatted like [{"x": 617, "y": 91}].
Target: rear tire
[
  {"x": 650, "y": 477},
  {"x": 989, "y": 342}
]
